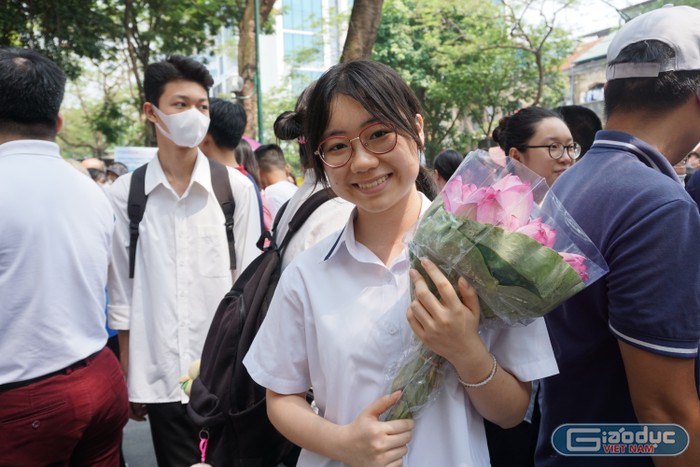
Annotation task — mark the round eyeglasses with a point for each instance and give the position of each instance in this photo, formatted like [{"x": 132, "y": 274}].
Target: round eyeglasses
[
  {"x": 556, "y": 150},
  {"x": 377, "y": 138}
]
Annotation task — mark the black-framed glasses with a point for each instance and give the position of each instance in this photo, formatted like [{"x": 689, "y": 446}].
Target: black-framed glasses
[
  {"x": 556, "y": 150},
  {"x": 377, "y": 138}
]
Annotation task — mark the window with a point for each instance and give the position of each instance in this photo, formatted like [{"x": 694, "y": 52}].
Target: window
[
  {"x": 302, "y": 50},
  {"x": 303, "y": 15},
  {"x": 595, "y": 93}
]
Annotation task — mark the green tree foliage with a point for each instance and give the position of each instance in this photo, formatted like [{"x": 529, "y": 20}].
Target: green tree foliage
[
  {"x": 101, "y": 111},
  {"x": 66, "y": 30},
  {"x": 128, "y": 33},
  {"x": 153, "y": 29},
  {"x": 469, "y": 62}
]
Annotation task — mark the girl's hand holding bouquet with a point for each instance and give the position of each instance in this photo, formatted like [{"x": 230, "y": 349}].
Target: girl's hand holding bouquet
[{"x": 522, "y": 257}]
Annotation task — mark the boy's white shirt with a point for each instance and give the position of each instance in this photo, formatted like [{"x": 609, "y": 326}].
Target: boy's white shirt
[{"x": 182, "y": 271}]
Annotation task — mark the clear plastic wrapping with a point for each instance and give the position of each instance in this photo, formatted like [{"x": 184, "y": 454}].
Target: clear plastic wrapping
[{"x": 500, "y": 228}]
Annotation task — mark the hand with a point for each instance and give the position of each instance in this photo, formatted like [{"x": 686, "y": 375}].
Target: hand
[
  {"x": 370, "y": 442},
  {"x": 449, "y": 326},
  {"x": 137, "y": 411}
]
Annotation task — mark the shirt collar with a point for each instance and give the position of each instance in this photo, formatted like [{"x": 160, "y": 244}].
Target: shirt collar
[
  {"x": 30, "y": 147},
  {"x": 201, "y": 174},
  {"x": 647, "y": 154},
  {"x": 346, "y": 237}
]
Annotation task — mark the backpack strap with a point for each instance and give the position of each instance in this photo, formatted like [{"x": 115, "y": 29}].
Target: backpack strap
[
  {"x": 303, "y": 213},
  {"x": 267, "y": 238},
  {"x": 136, "y": 206},
  {"x": 222, "y": 190}
]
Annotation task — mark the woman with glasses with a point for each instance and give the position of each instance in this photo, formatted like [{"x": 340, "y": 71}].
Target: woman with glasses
[
  {"x": 342, "y": 317},
  {"x": 538, "y": 138}
]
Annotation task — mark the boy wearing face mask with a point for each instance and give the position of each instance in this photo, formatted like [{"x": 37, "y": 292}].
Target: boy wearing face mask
[{"x": 182, "y": 267}]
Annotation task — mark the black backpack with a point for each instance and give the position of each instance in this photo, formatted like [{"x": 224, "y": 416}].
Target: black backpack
[
  {"x": 224, "y": 399},
  {"x": 136, "y": 206}
]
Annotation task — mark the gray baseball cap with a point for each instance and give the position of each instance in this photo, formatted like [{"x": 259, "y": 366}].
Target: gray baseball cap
[{"x": 676, "y": 26}]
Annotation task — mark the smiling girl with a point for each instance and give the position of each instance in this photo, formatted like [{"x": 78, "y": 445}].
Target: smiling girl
[{"x": 342, "y": 315}]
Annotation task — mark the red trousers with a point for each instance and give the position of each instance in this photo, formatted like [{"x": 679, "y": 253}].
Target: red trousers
[{"x": 74, "y": 418}]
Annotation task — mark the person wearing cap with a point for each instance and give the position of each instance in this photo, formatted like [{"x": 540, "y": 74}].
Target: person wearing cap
[
  {"x": 627, "y": 346},
  {"x": 116, "y": 170}
]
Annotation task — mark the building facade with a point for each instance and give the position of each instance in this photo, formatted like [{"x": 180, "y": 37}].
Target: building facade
[
  {"x": 308, "y": 38},
  {"x": 586, "y": 66}
]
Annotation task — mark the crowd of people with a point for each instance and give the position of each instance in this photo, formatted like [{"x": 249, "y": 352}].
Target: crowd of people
[{"x": 623, "y": 350}]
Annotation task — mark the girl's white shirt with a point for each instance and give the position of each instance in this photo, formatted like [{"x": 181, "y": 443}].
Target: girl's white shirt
[{"x": 337, "y": 323}]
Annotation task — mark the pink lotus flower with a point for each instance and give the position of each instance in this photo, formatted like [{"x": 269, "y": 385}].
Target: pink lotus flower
[
  {"x": 577, "y": 262},
  {"x": 539, "y": 231},
  {"x": 454, "y": 194},
  {"x": 507, "y": 203}
]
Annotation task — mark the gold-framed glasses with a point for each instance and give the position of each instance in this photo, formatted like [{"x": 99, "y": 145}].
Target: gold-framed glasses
[{"x": 377, "y": 138}]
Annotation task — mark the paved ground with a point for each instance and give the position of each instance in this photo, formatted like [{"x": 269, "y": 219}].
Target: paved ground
[{"x": 137, "y": 445}]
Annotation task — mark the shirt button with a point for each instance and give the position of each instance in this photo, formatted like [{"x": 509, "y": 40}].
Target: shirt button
[
  {"x": 35, "y": 424},
  {"x": 393, "y": 330}
]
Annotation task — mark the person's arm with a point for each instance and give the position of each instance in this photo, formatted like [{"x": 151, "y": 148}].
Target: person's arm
[
  {"x": 365, "y": 442},
  {"x": 119, "y": 286},
  {"x": 246, "y": 220},
  {"x": 123, "y": 337},
  {"x": 449, "y": 326},
  {"x": 663, "y": 391}
]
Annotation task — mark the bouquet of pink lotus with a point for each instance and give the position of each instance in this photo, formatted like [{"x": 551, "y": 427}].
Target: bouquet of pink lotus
[{"x": 523, "y": 258}]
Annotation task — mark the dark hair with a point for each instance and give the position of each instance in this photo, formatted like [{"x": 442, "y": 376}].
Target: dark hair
[
  {"x": 227, "y": 122},
  {"x": 583, "y": 124},
  {"x": 118, "y": 169},
  {"x": 658, "y": 95},
  {"x": 289, "y": 125},
  {"x": 378, "y": 88},
  {"x": 31, "y": 92},
  {"x": 98, "y": 175},
  {"x": 270, "y": 156},
  {"x": 173, "y": 68},
  {"x": 246, "y": 157},
  {"x": 426, "y": 184},
  {"x": 447, "y": 162},
  {"x": 514, "y": 131}
]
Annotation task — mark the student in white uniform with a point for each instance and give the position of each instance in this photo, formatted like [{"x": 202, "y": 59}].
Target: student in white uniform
[
  {"x": 342, "y": 314},
  {"x": 329, "y": 217}
]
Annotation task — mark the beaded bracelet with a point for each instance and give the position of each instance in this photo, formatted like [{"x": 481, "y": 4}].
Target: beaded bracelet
[{"x": 484, "y": 382}]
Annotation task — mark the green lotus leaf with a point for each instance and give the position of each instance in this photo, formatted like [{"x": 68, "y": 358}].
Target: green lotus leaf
[{"x": 515, "y": 276}]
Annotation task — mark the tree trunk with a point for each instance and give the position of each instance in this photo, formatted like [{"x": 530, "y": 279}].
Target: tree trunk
[
  {"x": 247, "y": 61},
  {"x": 138, "y": 53},
  {"x": 362, "y": 31}
]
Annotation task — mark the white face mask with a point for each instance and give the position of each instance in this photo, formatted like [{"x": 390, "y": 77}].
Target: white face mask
[{"x": 187, "y": 129}]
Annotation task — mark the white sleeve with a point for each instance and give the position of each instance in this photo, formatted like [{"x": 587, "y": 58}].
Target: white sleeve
[
  {"x": 525, "y": 351},
  {"x": 119, "y": 286},
  {"x": 278, "y": 358},
  {"x": 246, "y": 220}
]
